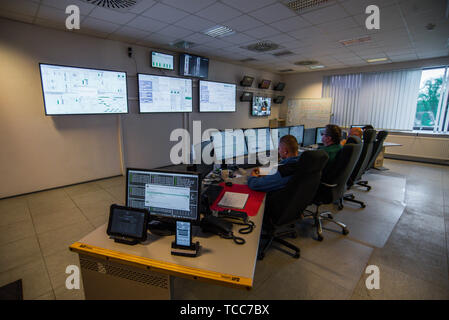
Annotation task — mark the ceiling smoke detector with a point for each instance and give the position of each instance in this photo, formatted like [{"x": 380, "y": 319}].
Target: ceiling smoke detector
[
  {"x": 113, "y": 4},
  {"x": 301, "y": 5},
  {"x": 262, "y": 46},
  {"x": 306, "y": 63}
]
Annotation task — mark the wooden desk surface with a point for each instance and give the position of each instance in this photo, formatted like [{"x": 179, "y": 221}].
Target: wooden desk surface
[{"x": 221, "y": 260}]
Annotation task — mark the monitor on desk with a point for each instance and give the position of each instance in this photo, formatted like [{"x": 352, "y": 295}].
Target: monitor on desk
[
  {"x": 281, "y": 131},
  {"x": 309, "y": 137},
  {"x": 358, "y": 126},
  {"x": 258, "y": 140},
  {"x": 229, "y": 144},
  {"x": 297, "y": 132},
  {"x": 167, "y": 195},
  {"x": 319, "y": 135}
]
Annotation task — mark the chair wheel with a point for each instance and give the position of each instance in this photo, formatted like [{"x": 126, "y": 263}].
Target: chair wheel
[
  {"x": 363, "y": 205},
  {"x": 340, "y": 207},
  {"x": 296, "y": 256},
  {"x": 345, "y": 231},
  {"x": 369, "y": 188},
  {"x": 330, "y": 216},
  {"x": 320, "y": 237}
]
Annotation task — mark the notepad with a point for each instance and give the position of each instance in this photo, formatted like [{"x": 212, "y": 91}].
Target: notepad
[{"x": 233, "y": 200}]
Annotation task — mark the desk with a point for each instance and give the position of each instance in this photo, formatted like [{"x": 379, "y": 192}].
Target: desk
[
  {"x": 112, "y": 270},
  {"x": 378, "y": 163}
]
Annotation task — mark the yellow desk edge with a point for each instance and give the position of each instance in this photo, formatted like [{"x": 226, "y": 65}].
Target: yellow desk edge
[{"x": 164, "y": 267}]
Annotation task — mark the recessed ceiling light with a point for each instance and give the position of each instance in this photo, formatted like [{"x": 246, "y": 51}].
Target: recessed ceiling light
[
  {"x": 317, "y": 67},
  {"x": 219, "y": 31},
  {"x": 376, "y": 60}
]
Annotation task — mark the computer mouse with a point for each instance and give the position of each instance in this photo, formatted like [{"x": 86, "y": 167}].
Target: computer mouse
[{"x": 228, "y": 184}]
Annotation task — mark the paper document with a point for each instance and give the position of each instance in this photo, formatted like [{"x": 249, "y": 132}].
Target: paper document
[
  {"x": 233, "y": 200},
  {"x": 266, "y": 171}
]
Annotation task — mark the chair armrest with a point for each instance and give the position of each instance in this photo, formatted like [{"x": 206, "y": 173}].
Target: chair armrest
[{"x": 328, "y": 185}]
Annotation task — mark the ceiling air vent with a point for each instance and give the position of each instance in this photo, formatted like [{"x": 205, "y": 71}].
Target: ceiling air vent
[
  {"x": 286, "y": 70},
  {"x": 305, "y": 63},
  {"x": 262, "y": 46},
  {"x": 114, "y": 4},
  {"x": 300, "y": 5},
  {"x": 248, "y": 60},
  {"x": 282, "y": 53}
]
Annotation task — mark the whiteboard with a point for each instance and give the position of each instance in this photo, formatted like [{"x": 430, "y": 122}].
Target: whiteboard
[{"x": 311, "y": 113}]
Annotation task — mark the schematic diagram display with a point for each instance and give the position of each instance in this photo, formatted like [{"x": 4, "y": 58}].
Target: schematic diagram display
[
  {"x": 164, "y": 94},
  {"x": 217, "y": 97},
  {"x": 172, "y": 195},
  {"x": 72, "y": 90}
]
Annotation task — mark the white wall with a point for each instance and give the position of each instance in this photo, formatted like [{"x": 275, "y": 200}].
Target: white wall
[{"x": 40, "y": 152}]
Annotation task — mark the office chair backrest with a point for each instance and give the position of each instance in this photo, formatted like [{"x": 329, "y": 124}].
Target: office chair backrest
[
  {"x": 377, "y": 148},
  {"x": 339, "y": 173},
  {"x": 369, "y": 136},
  {"x": 354, "y": 139},
  {"x": 284, "y": 206}
]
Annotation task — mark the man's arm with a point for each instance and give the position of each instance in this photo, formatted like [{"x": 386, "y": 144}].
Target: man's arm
[{"x": 267, "y": 183}]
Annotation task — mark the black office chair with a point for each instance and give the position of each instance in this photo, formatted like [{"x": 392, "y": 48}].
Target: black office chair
[
  {"x": 377, "y": 148},
  {"x": 284, "y": 207},
  {"x": 333, "y": 186},
  {"x": 360, "y": 167}
]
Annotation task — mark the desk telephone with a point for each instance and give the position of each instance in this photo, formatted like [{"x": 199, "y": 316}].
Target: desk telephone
[{"x": 212, "y": 224}]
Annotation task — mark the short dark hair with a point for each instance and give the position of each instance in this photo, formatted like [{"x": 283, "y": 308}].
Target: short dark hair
[
  {"x": 334, "y": 132},
  {"x": 290, "y": 142}
]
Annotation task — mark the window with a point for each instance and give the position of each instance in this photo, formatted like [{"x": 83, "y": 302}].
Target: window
[{"x": 431, "y": 109}]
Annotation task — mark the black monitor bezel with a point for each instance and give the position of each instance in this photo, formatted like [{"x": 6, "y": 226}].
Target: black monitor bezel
[
  {"x": 81, "y": 114},
  {"x": 193, "y": 55},
  {"x": 314, "y": 139},
  {"x": 278, "y": 97},
  {"x": 158, "y": 75},
  {"x": 142, "y": 237},
  {"x": 316, "y": 134},
  {"x": 167, "y": 54},
  {"x": 199, "y": 97},
  {"x": 276, "y": 87},
  {"x": 164, "y": 218},
  {"x": 244, "y": 140},
  {"x": 246, "y": 92},
  {"x": 303, "y": 130}
]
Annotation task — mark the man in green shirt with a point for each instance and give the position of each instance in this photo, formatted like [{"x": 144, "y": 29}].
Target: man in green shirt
[{"x": 331, "y": 139}]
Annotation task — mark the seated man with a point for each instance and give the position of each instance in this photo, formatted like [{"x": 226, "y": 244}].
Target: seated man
[
  {"x": 288, "y": 152},
  {"x": 355, "y": 131},
  {"x": 331, "y": 140}
]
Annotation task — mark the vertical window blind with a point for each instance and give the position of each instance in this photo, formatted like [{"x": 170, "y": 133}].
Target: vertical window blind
[{"x": 385, "y": 100}]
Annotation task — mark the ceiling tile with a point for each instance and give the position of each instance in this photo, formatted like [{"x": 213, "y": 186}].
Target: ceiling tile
[
  {"x": 219, "y": 12},
  {"x": 325, "y": 14},
  {"x": 217, "y": 44},
  {"x": 243, "y": 23},
  {"x": 239, "y": 38},
  {"x": 111, "y": 15},
  {"x": 141, "y": 6},
  {"x": 129, "y": 32},
  {"x": 19, "y": 6},
  {"x": 146, "y": 24},
  {"x": 272, "y": 13},
  {"x": 160, "y": 39},
  {"x": 175, "y": 31},
  {"x": 191, "y": 6},
  {"x": 356, "y": 7},
  {"x": 338, "y": 25},
  {"x": 290, "y": 24},
  {"x": 99, "y": 25},
  {"x": 197, "y": 38},
  {"x": 247, "y": 6},
  {"x": 85, "y": 8},
  {"x": 164, "y": 13},
  {"x": 52, "y": 14},
  {"x": 195, "y": 23},
  {"x": 281, "y": 38},
  {"x": 262, "y": 32}
]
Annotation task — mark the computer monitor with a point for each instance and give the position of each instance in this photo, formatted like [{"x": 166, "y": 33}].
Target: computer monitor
[
  {"x": 319, "y": 135},
  {"x": 167, "y": 195},
  {"x": 246, "y": 96},
  {"x": 281, "y": 131},
  {"x": 309, "y": 137},
  {"x": 279, "y": 87},
  {"x": 297, "y": 132},
  {"x": 196, "y": 156},
  {"x": 229, "y": 144},
  {"x": 264, "y": 84},
  {"x": 258, "y": 140},
  {"x": 73, "y": 90},
  {"x": 247, "y": 81},
  {"x": 162, "y": 60},
  {"x": 261, "y": 106},
  {"x": 217, "y": 96},
  {"x": 358, "y": 126},
  {"x": 193, "y": 66},
  {"x": 164, "y": 94}
]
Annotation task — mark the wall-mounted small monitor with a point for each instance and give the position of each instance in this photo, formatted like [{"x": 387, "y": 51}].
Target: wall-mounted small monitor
[
  {"x": 74, "y": 90},
  {"x": 217, "y": 96},
  {"x": 278, "y": 99},
  {"x": 162, "y": 60},
  {"x": 264, "y": 84},
  {"x": 164, "y": 94},
  {"x": 247, "y": 81},
  {"x": 246, "y": 96},
  {"x": 279, "y": 87},
  {"x": 193, "y": 66},
  {"x": 261, "y": 106}
]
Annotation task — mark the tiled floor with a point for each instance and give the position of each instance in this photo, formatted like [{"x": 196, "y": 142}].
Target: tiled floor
[{"x": 404, "y": 230}]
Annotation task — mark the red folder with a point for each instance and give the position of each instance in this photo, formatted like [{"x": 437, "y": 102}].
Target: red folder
[{"x": 252, "y": 204}]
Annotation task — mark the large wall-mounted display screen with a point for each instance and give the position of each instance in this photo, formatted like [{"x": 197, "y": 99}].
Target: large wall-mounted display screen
[
  {"x": 217, "y": 96},
  {"x": 73, "y": 90},
  {"x": 164, "y": 94},
  {"x": 193, "y": 66}
]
